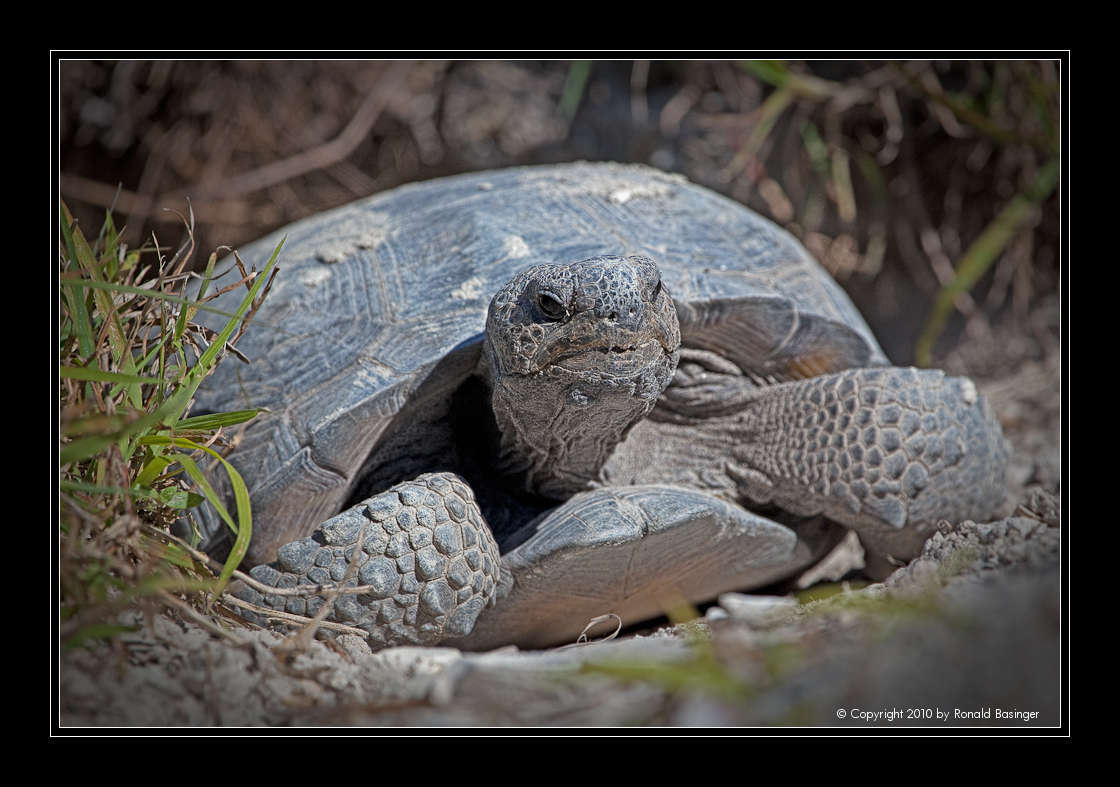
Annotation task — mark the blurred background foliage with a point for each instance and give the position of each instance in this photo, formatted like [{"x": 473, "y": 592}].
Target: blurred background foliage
[{"x": 930, "y": 190}]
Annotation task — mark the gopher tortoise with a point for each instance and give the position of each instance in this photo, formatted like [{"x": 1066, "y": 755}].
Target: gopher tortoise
[{"x": 502, "y": 405}]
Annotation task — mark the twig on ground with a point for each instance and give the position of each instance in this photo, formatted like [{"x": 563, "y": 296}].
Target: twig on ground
[
  {"x": 202, "y": 620},
  {"x": 289, "y": 618},
  {"x": 582, "y": 639},
  {"x": 260, "y": 587}
]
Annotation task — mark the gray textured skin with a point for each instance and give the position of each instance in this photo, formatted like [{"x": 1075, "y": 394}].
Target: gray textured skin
[{"x": 377, "y": 319}]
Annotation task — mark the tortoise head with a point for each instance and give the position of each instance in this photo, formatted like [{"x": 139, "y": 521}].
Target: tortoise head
[{"x": 576, "y": 354}]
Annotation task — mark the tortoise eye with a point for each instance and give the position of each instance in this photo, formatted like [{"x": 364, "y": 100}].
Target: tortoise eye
[
  {"x": 551, "y": 306},
  {"x": 657, "y": 290}
]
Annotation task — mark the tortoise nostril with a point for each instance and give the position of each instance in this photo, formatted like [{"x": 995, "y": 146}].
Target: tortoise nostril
[{"x": 612, "y": 316}]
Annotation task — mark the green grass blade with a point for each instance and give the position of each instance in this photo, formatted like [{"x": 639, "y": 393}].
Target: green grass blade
[
  {"x": 179, "y": 499},
  {"x": 97, "y": 375},
  {"x": 984, "y": 251},
  {"x": 66, "y": 220},
  {"x": 96, "y": 284},
  {"x": 211, "y": 421},
  {"x": 778, "y": 74},
  {"x": 207, "y": 275},
  {"x": 79, "y": 317},
  {"x": 142, "y": 364},
  {"x": 181, "y": 323},
  {"x": 76, "y": 300},
  {"x": 172, "y": 553},
  {"x": 768, "y": 114},
  {"x": 151, "y": 470},
  {"x": 109, "y": 240},
  {"x": 135, "y": 392},
  {"x": 107, "y": 309},
  {"x": 208, "y": 357},
  {"x": 204, "y": 485},
  {"x": 574, "y": 85},
  {"x": 76, "y": 245},
  {"x": 772, "y": 72},
  {"x": 189, "y": 312},
  {"x": 87, "y": 447},
  {"x": 244, "y": 529},
  {"x": 815, "y": 147}
]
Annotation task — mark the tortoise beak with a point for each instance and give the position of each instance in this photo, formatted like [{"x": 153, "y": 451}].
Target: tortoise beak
[
  {"x": 616, "y": 346},
  {"x": 612, "y": 360}
]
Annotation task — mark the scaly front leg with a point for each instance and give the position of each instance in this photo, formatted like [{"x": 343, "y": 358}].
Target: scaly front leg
[
  {"x": 885, "y": 451},
  {"x": 421, "y": 552},
  {"x": 888, "y": 452}
]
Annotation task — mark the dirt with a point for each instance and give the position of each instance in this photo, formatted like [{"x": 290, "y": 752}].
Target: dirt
[{"x": 972, "y": 629}]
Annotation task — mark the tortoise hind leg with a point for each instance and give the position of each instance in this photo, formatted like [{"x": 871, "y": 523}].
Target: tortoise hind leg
[
  {"x": 420, "y": 557},
  {"x": 635, "y": 552}
]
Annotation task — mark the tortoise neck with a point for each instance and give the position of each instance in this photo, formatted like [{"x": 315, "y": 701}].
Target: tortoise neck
[
  {"x": 555, "y": 435},
  {"x": 556, "y": 442}
]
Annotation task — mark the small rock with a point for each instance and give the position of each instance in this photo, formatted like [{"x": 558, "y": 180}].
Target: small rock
[{"x": 757, "y": 610}]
